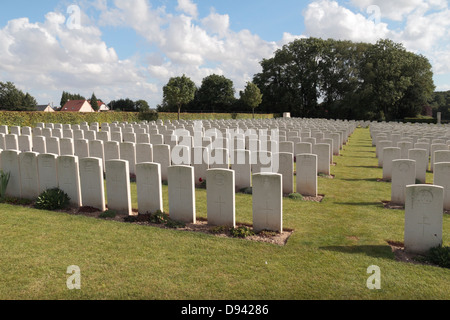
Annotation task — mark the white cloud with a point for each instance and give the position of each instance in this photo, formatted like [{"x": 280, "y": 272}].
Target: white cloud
[
  {"x": 183, "y": 43},
  {"x": 217, "y": 23},
  {"x": 393, "y": 10},
  {"x": 196, "y": 48},
  {"x": 187, "y": 6},
  {"x": 327, "y": 19},
  {"x": 398, "y": 10},
  {"x": 50, "y": 56}
]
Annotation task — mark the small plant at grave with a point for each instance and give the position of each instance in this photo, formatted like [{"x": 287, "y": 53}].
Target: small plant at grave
[
  {"x": 174, "y": 224},
  {"x": 202, "y": 183},
  {"x": 17, "y": 201},
  {"x": 4, "y": 180},
  {"x": 296, "y": 196},
  {"x": 159, "y": 217},
  {"x": 241, "y": 232},
  {"x": 52, "y": 199},
  {"x": 165, "y": 183},
  {"x": 440, "y": 256},
  {"x": 132, "y": 177},
  {"x": 247, "y": 190},
  {"x": 323, "y": 175},
  {"x": 219, "y": 229},
  {"x": 108, "y": 214},
  {"x": 130, "y": 219},
  {"x": 418, "y": 181}
]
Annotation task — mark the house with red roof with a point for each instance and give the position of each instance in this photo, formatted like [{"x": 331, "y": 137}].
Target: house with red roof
[
  {"x": 101, "y": 106},
  {"x": 77, "y": 106}
]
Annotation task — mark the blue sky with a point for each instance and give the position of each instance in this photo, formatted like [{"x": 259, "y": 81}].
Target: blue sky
[{"x": 130, "y": 48}]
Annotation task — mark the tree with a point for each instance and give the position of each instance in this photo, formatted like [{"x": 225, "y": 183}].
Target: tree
[
  {"x": 315, "y": 78},
  {"x": 179, "y": 91},
  {"x": 66, "y": 96},
  {"x": 126, "y": 105},
  {"x": 94, "y": 102},
  {"x": 216, "y": 93},
  {"x": 13, "y": 99},
  {"x": 251, "y": 96},
  {"x": 142, "y": 106}
]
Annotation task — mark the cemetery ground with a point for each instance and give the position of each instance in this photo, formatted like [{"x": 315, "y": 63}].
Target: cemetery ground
[{"x": 326, "y": 257}]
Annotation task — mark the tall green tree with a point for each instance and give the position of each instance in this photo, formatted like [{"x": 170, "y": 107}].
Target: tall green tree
[
  {"x": 142, "y": 106},
  {"x": 251, "y": 96},
  {"x": 179, "y": 91},
  {"x": 216, "y": 93},
  {"x": 13, "y": 99},
  {"x": 125, "y": 105},
  {"x": 315, "y": 78},
  {"x": 66, "y": 96},
  {"x": 94, "y": 102}
]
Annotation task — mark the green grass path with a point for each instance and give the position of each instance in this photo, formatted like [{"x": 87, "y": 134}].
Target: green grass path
[{"x": 326, "y": 258}]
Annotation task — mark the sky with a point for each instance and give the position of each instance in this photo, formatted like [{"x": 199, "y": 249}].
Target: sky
[{"x": 131, "y": 48}]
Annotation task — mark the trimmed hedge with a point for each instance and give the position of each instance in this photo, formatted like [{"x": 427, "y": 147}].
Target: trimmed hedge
[
  {"x": 30, "y": 119},
  {"x": 211, "y": 116}
]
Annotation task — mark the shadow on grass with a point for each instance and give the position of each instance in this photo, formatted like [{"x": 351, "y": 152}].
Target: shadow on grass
[
  {"x": 367, "y": 167},
  {"x": 379, "y": 251},
  {"x": 378, "y": 204},
  {"x": 368, "y": 179}
]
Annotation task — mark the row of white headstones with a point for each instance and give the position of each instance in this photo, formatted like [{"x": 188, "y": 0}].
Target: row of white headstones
[
  {"x": 406, "y": 152},
  {"x": 81, "y": 176}
]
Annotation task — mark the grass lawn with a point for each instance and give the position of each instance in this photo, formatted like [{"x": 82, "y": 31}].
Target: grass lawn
[{"x": 327, "y": 256}]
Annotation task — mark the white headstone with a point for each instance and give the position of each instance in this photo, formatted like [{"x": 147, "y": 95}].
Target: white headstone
[
  {"x": 423, "y": 217},
  {"x": 39, "y": 144},
  {"x": 403, "y": 174},
  {"x": 25, "y": 143},
  {"x": 420, "y": 156},
  {"x": 11, "y": 142},
  {"x": 242, "y": 167},
  {"x": 81, "y": 148},
  {"x": 380, "y": 149},
  {"x": 389, "y": 154},
  {"x": 323, "y": 152},
  {"x": 221, "y": 197},
  {"x": 219, "y": 158},
  {"x": 118, "y": 186},
  {"x": 10, "y": 163},
  {"x": 286, "y": 169},
  {"x": 69, "y": 178},
  {"x": 66, "y": 147},
  {"x": 92, "y": 184},
  {"x": 267, "y": 194},
  {"x": 149, "y": 190},
  {"x": 96, "y": 150},
  {"x": 181, "y": 155},
  {"x": 128, "y": 153},
  {"x": 112, "y": 150},
  {"x": 53, "y": 145},
  {"x": 29, "y": 175},
  {"x": 144, "y": 153},
  {"x": 442, "y": 178},
  {"x": 161, "y": 155},
  {"x": 307, "y": 174},
  {"x": 181, "y": 193},
  {"x": 436, "y": 147},
  {"x": 48, "y": 173}
]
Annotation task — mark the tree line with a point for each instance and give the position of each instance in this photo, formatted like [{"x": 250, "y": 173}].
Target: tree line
[
  {"x": 216, "y": 94},
  {"x": 308, "y": 77},
  {"x": 345, "y": 80}
]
